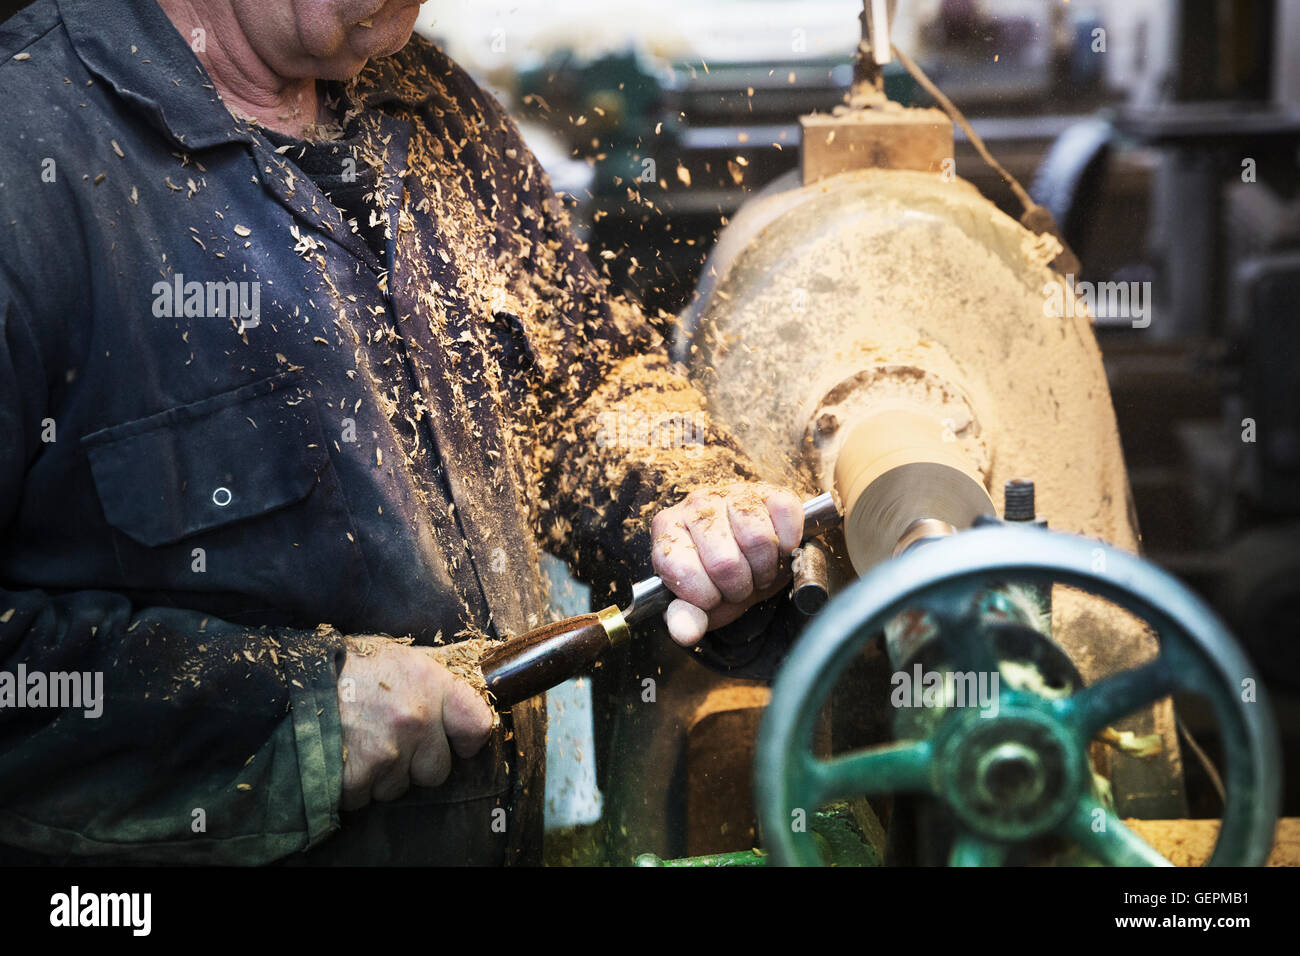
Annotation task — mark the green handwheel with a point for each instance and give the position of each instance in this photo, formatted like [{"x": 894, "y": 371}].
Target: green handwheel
[{"x": 1022, "y": 773}]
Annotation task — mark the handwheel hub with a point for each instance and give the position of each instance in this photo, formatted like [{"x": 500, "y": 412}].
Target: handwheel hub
[{"x": 1013, "y": 776}]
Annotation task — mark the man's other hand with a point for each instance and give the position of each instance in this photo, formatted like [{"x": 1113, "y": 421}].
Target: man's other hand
[
  {"x": 722, "y": 550},
  {"x": 402, "y": 714}
]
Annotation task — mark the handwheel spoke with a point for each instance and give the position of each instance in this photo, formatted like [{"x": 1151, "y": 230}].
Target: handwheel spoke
[
  {"x": 968, "y": 849},
  {"x": 1096, "y": 707},
  {"x": 896, "y": 768},
  {"x": 1104, "y": 835}
]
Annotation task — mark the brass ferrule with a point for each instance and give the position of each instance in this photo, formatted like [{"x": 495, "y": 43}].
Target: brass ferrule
[{"x": 611, "y": 619}]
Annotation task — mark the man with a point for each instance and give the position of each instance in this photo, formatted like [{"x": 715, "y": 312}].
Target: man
[{"x": 294, "y": 331}]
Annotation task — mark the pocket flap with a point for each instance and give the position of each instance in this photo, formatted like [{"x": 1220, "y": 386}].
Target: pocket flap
[{"x": 208, "y": 464}]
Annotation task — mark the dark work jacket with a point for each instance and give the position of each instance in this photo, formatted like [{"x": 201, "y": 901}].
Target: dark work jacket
[{"x": 196, "y": 505}]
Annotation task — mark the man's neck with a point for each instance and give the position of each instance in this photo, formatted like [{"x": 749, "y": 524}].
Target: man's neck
[{"x": 248, "y": 85}]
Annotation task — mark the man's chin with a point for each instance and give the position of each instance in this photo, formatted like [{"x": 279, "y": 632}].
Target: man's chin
[
  {"x": 342, "y": 70},
  {"x": 386, "y": 36},
  {"x": 337, "y": 72}
]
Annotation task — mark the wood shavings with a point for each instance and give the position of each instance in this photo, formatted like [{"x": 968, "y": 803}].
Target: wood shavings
[
  {"x": 1127, "y": 742},
  {"x": 464, "y": 658}
]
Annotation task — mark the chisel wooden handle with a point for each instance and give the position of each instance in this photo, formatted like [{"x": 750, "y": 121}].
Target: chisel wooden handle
[{"x": 549, "y": 655}]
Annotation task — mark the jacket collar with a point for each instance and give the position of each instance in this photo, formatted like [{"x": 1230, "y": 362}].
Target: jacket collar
[{"x": 135, "y": 47}]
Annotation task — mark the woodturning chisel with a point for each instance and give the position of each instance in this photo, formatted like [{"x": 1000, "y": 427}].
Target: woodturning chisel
[{"x": 551, "y": 654}]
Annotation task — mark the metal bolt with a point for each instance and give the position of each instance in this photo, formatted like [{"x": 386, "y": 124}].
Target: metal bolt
[{"x": 1018, "y": 501}]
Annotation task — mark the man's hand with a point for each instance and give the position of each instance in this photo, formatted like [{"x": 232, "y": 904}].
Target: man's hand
[
  {"x": 402, "y": 714},
  {"x": 721, "y": 551}
]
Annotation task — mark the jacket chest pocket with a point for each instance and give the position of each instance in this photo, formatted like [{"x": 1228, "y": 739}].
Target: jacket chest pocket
[{"x": 233, "y": 496}]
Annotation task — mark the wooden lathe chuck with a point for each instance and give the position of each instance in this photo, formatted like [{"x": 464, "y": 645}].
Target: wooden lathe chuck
[{"x": 900, "y": 470}]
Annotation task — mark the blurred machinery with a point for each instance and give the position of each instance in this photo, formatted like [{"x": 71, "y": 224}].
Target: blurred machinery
[
  {"x": 677, "y": 146},
  {"x": 1208, "y": 395}
]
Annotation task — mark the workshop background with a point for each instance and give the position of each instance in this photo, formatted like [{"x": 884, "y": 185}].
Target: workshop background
[{"x": 1138, "y": 145}]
